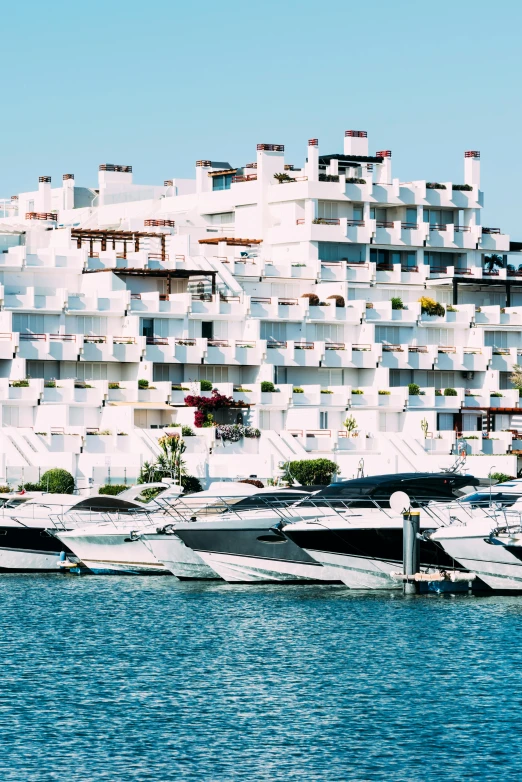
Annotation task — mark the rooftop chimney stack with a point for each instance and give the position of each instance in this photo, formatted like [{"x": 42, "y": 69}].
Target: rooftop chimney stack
[
  {"x": 270, "y": 161},
  {"x": 44, "y": 194},
  {"x": 68, "y": 191},
  {"x": 203, "y": 181},
  {"x": 472, "y": 168},
  {"x": 112, "y": 178},
  {"x": 384, "y": 170},
  {"x": 356, "y": 142},
  {"x": 312, "y": 165}
]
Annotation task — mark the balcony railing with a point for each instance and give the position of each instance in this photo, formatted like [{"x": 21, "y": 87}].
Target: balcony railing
[
  {"x": 417, "y": 349},
  {"x": 300, "y": 221},
  {"x": 490, "y": 230},
  {"x": 335, "y": 346},
  {"x": 157, "y": 341},
  {"x": 304, "y": 345},
  {"x": 385, "y": 267},
  {"x": 287, "y": 302},
  {"x": 124, "y": 340},
  {"x": 272, "y": 343},
  {"x": 463, "y": 270},
  {"x": 491, "y": 272},
  {"x": 157, "y": 256},
  {"x": 33, "y": 337},
  {"x": 358, "y": 223},
  {"x": 438, "y": 226},
  {"x": 228, "y": 299},
  {"x": 245, "y": 178},
  {"x": 95, "y": 340},
  {"x": 446, "y": 350},
  {"x": 260, "y": 300},
  {"x": 360, "y": 347},
  {"x": 409, "y": 268},
  {"x": 392, "y": 349},
  {"x": 438, "y": 269},
  {"x": 384, "y": 224},
  {"x": 62, "y": 337},
  {"x": 40, "y": 216},
  {"x": 217, "y": 343},
  {"x": 185, "y": 342},
  {"x": 6, "y": 336},
  {"x": 409, "y": 226},
  {"x": 461, "y": 228},
  {"x": 160, "y": 223}
]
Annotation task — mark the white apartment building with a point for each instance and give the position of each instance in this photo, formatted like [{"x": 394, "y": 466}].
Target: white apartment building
[{"x": 310, "y": 280}]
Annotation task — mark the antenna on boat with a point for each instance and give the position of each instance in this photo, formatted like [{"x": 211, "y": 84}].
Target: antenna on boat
[{"x": 360, "y": 469}]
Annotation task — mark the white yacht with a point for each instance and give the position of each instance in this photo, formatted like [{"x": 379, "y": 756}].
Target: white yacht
[
  {"x": 26, "y": 521},
  {"x": 118, "y": 546}
]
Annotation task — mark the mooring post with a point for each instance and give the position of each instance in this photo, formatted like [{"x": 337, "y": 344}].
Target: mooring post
[{"x": 411, "y": 549}]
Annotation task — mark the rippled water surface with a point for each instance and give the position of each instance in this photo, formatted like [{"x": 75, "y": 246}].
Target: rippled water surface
[{"x": 108, "y": 678}]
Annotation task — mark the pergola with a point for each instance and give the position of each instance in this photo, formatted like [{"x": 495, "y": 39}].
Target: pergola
[
  {"x": 92, "y": 235},
  {"x": 167, "y": 274}
]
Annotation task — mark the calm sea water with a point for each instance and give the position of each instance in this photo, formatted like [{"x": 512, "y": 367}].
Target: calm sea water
[{"x": 108, "y": 678}]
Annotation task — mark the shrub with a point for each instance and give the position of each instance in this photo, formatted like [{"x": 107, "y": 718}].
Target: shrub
[
  {"x": 112, "y": 488},
  {"x": 190, "y": 484},
  {"x": 450, "y": 392},
  {"x": 357, "y": 391},
  {"x": 339, "y": 300},
  {"x": 267, "y": 387},
  {"x": 205, "y": 385},
  {"x": 143, "y": 384},
  {"x": 462, "y": 187},
  {"x": 396, "y": 303},
  {"x": 253, "y": 482},
  {"x": 298, "y": 391},
  {"x": 50, "y": 384},
  {"x": 449, "y": 308},
  {"x": 208, "y": 404},
  {"x": 326, "y": 391},
  {"x": 28, "y": 486},
  {"x": 313, "y": 472},
  {"x": 438, "y": 392},
  {"x": 384, "y": 393},
  {"x": 501, "y": 477},
  {"x": 20, "y": 384},
  {"x": 187, "y": 431},
  {"x": 113, "y": 386},
  {"x": 413, "y": 389},
  {"x": 5, "y": 489},
  {"x": 313, "y": 299},
  {"x": 435, "y": 186},
  {"x": 496, "y": 394},
  {"x": 431, "y": 307},
  {"x": 57, "y": 481},
  {"x": 283, "y": 178},
  {"x": 353, "y": 180}
]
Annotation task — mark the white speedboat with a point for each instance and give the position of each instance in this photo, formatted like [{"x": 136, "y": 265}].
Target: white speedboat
[
  {"x": 135, "y": 544},
  {"x": 488, "y": 543}
]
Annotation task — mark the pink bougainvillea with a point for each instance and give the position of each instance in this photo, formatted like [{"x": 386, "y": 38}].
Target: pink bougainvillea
[{"x": 207, "y": 404}]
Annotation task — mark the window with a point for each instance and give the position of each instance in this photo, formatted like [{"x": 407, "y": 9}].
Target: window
[
  {"x": 496, "y": 339},
  {"x": 323, "y": 420},
  {"x": 440, "y": 261},
  {"x": 379, "y": 214},
  {"x": 147, "y": 328},
  {"x": 221, "y": 218},
  {"x": 411, "y": 215},
  {"x": 327, "y": 209},
  {"x": 329, "y": 332},
  {"x": 93, "y": 326},
  {"x": 445, "y": 422},
  {"x": 393, "y": 335},
  {"x": 442, "y": 337},
  {"x": 280, "y": 375},
  {"x": 337, "y": 251},
  {"x": 49, "y": 370},
  {"x": 90, "y": 370},
  {"x": 357, "y": 212},
  {"x": 222, "y": 182},
  {"x": 273, "y": 331},
  {"x": 391, "y": 257},
  {"x": 207, "y": 330},
  {"x": 27, "y": 323},
  {"x": 438, "y": 216},
  {"x": 167, "y": 372},
  {"x": 215, "y": 374}
]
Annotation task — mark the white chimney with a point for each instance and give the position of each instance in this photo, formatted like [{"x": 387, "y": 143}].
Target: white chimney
[
  {"x": 68, "y": 191},
  {"x": 112, "y": 179},
  {"x": 312, "y": 166},
  {"x": 44, "y": 194},
  {"x": 356, "y": 142},
  {"x": 384, "y": 170},
  {"x": 270, "y": 161},
  {"x": 472, "y": 168},
  {"x": 203, "y": 181}
]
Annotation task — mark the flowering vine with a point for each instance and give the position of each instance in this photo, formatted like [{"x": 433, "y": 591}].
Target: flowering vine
[{"x": 206, "y": 405}]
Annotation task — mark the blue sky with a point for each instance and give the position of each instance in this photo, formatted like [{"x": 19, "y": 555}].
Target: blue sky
[{"x": 161, "y": 84}]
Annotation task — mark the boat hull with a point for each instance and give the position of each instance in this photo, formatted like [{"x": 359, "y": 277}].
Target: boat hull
[
  {"x": 178, "y": 558},
  {"x": 113, "y": 553},
  {"x": 26, "y": 549}
]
